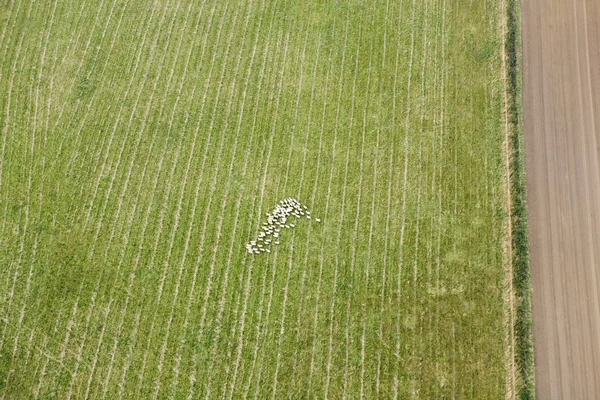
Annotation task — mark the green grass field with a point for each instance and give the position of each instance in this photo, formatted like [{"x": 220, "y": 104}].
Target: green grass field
[{"x": 142, "y": 144}]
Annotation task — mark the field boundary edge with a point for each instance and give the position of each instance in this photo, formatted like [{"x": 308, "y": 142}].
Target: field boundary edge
[{"x": 517, "y": 205}]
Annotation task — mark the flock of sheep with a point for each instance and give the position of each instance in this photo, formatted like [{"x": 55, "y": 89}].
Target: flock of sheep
[{"x": 282, "y": 217}]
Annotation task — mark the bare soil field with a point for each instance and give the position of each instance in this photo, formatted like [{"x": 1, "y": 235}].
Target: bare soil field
[{"x": 561, "y": 100}]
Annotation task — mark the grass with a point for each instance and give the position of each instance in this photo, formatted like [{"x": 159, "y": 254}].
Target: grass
[
  {"x": 520, "y": 244},
  {"x": 142, "y": 145}
]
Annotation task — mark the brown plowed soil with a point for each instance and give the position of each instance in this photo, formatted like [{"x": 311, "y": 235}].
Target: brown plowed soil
[{"x": 561, "y": 100}]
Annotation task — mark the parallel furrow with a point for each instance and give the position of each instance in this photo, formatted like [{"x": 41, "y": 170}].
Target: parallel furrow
[
  {"x": 343, "y": 209},
  {"x": 312, "y": 202},
  {"x": 246, "y": 290},
  {"x": 196, "y": 195},
  {"x": 404, "y": 195},
  {"x": 12, "y": 12},
  {"x": 286, "y": 176},
  {"x": 291, "y": 252},
  {"x": 75, "y": 202},
  {"x": 442, "y": 128},
  {"x": 389, "y": 201},
  {"x": 164, "y": 205},
  {"x": 145, "y": 224},
  {"x": 262, "y": 191},
  {"x": 4, "y": 136},
  {"x": 90, "y": 73},
  {"x": 42, "y": 374},
  {"x": 133, "y": 212},
  {"x": 25, "y": 228},
  {"x": 102, "y": 172},
  {"x": 96, "y": 186},
  {"x": 83, "y": 58},
  {"x": 6, "y": 124},
  {"x": 221, "y": 304},
  {"x": 325, "y": 215},
  {"x": 171, "y": 244},
  {"x": 157, "y": 383},
  {"x": 129, "y": 357},
  {"x": 273, "y": 134},
  {"x": 372, "y": 220},
  {"x": 356, "y": 224},
  {"x": 125, "y": 186},
  {"x": 420, "y": 176}
]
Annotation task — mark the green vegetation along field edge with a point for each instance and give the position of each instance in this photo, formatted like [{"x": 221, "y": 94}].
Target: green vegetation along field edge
[{"x": 518, "y": 212}]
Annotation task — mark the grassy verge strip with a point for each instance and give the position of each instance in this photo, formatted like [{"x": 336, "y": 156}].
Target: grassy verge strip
[{"x": 518, "y": 212}]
